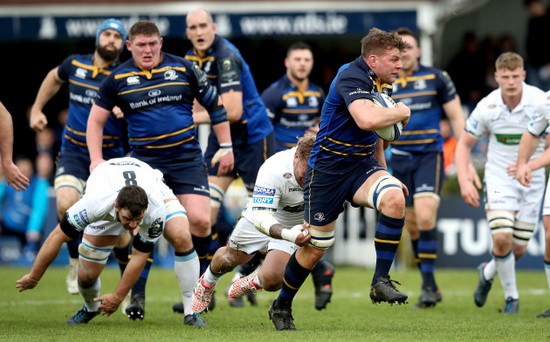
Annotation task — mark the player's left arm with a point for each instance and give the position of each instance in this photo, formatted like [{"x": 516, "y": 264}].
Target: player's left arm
[
  {"x": 233, "y": 103},
  {"x": 453, "y": 111}
]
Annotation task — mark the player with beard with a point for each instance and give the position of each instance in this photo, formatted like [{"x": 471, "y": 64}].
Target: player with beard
[{"x": 84, "y": 74}]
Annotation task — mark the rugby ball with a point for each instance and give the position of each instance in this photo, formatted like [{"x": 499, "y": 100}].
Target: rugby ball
[{"x": 393, "y": 132}]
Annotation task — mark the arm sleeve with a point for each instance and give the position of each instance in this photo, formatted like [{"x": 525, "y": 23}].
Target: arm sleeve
[
  {"x": 64, "y": 68},
  {"x": 351, "y": 88},
  {"x": 229, "y": 74},
  {"x": 208, "y": 96},
  {"x": 446, "y": 90},
  {"x": 271, "y": 101},
  {"x": 67, "y": 228}
]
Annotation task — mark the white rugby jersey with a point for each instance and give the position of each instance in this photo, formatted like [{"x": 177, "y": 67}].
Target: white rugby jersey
[
  {"x": 96, "y": 209},
  {"x": 539, "y": 123},
  {"x": 276, "y": 189},
  {"x": 505, "y": 127}
]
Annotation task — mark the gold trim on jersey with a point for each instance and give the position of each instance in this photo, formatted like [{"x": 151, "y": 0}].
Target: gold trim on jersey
[
  {"x": 422, "y": 131},
  {"x": 153, "y": 86},
  {"x": 83, "y": 144},
  {"x": 96, "y": 70},
  {"x": 411, "y": 142},
  {"x": 300, "y": 111},
  {"x": 164, "y": 135},
  {"x": 400, "y": 96},
  {"x": 347, "y": 144},
  {"x": 74, "y": 131},
  {"x": 301, "y": 95},
  {"x": 200, "y": 60},
  {"x": 83, "y": 84},
  {"x": 149, "y": 73},
  {"x": 407, "y": 79},
  {"x": 168, "y": 145},
  {"x": 345, "y": 154}
]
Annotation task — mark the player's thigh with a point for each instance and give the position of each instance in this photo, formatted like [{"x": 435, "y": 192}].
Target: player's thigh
[
  {"x": 401, "y": 166},
  {"x": 177, "y": 233}
]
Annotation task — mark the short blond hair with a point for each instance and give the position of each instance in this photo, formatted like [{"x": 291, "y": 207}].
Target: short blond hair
[
  {"x": 510, "y": 61},
  {"x": 304, "y": 146}
]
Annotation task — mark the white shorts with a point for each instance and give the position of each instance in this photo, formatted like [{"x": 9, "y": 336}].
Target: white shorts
[
  {"x": 506, "y": 193},
  {"x": 248, "y": 239}
]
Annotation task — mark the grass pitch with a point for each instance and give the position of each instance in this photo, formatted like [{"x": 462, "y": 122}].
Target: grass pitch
[{"x": 40, "y": 314}]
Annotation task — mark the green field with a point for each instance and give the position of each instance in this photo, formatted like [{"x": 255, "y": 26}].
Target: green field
[{"x": 40, "y": 314}]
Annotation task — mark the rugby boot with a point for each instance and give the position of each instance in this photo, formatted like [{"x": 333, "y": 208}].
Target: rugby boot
[
  {"x": 136, "y": 309},
  {"x": 178, "y": 307},
  {"x": 243, "y": 286},
  {"x": 545, "y": 314},
  {"x": 384, "y": 290},
  {"x": 438, "y": 295},
  {"x": 202, "y": 296},
  {"x": 194, "y": 320},
  {"x": 281, "y": 317},
  {"x": 483, "y": 287},
  {"x": 82, "y": 316},
  {"x": 322, "y": 280},
  {"x": 511, "y": 306},
  {"x": 428, "y": 299},
  {"x": 251, "y": 297}
]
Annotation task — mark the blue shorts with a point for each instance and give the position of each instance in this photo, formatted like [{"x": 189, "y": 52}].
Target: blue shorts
[
  {"x": 248, "y": 158},
  {"x": 184, "y": 174},
  {"x": 420, "y": 172},
  {"x": 76, "y": 163},
  {"x": 325, "y": 194}
]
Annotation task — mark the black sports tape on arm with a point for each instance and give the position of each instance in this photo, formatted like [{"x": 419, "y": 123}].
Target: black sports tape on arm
[
  {"x": 142, "y": 246},
  {"x": 68, "y": 228}
]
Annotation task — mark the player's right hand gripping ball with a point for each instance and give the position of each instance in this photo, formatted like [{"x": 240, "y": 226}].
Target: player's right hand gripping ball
[{"x": 392, "y": 132}]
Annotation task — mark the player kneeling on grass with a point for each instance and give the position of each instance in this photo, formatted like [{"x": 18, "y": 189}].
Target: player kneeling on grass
[
  {"x": 122, "y": 195},
  {"x": 272, "y": 220}
]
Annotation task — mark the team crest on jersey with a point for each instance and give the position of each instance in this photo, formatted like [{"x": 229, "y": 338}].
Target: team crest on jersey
[
  {"x": 156, "y": 228},
  {"x": 132, "y": 80},
  {"x": 154, "y": 92},
  {"x": 291, "y": 102},
  {"x": 81, "y": 73},
  {"x": 227, "y": 69},
  {"x": 313, "y": 101},
  {"x": 170, "y": 75},
  {"x": 420, "y": 84},
  {"x": 207, "y": 66}
]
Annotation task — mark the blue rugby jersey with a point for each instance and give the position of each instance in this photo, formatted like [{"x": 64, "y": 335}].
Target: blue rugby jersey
[
  {"x": 340, "y": 144},
  {"x": 291, "y": 110},
  {"x": 158, "y": 104},
  {"x": 425, "y": 91},
  {"x": 84, "y": 79},
  {"x": 228, "y": 70}
]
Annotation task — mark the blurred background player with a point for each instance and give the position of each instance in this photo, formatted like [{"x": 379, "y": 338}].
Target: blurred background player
[
  {"x": 84, "y": 73},
  {"x": 294, "y": 106},
  {"x": 251, "y": 130},
  {"x": 274, "y": 215},
  {"x": 22, "y": 214},
  {"x": 512, "y": 210},
  {"x": 158, "y": 87},
  {"x": 10, "y": 172},
  {"x": 417, "y": 157}
]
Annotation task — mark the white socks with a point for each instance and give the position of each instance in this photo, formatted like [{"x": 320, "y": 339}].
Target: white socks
[
  {"x": 89, "y": 294},
  {"x": 506, "y": 268},
  {"x": 187, "y": 271}
]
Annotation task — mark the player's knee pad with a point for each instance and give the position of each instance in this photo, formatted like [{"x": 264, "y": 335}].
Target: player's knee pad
[
  {"x": 174, "y": 209},
  {"x": 379, "y": 189},
  {"x": 93, "y": 253},
  {"x": 500, "y": 221},
  {"x": 523, "y": 232},
  {"x": 321, "y": 240},
  {"x": 69, "y": 181},
  {"x": 216, "y": 195}
]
